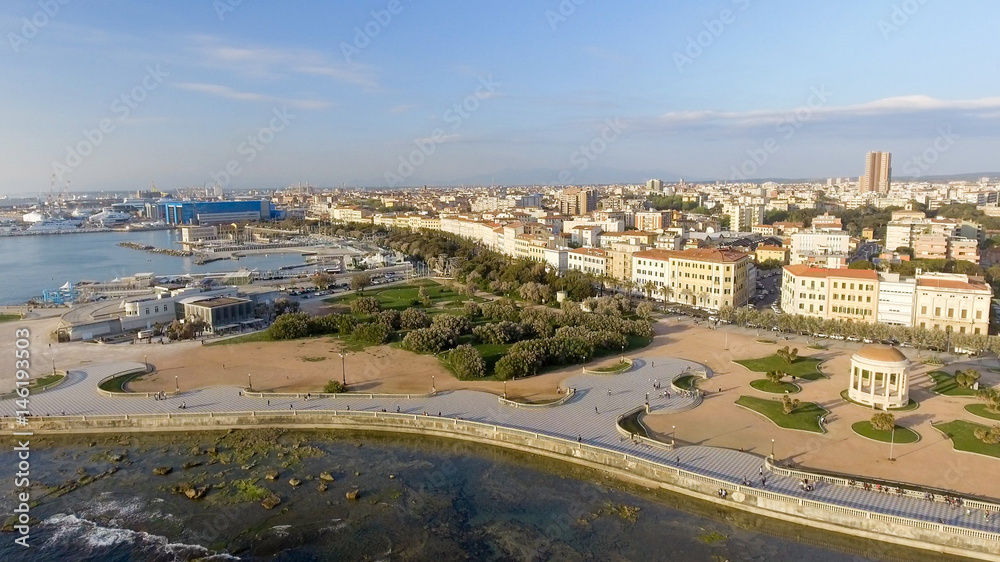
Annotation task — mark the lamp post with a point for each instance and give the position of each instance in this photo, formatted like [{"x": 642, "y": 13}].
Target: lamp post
[
  {"x": 249, "y": 382},
  {"x": 623, "y": 353},
  {"x": 343, "y": 368},
  {"x": 892, "y": 441},
  {"x": 772, "y": 450},
  {"x": 177, "y": 385},
  {"x": 433, "y": 390},
  {"x": 673, "y": 430},
  {"x": 505, "y": 390},
  {"x": 53, "y": 365},
  {"x": 145, "y": 362}
]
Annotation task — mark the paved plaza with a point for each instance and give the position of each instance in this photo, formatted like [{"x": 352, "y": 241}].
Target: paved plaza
[{"x": 590, "y": 415}]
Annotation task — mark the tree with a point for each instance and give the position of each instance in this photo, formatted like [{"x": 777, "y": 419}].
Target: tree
[
  {"x": 992, "y": 398},
  {"x": 644, "y": 310},
  {"x": 861, "y": 264},
  {"x": 788, "y": 355},
  {"x": 467, "y": 362},
  {"x": 375, "y": 333},
  {"x": 650, "y": 288},
  {"x": 775, "y": 376},
  {"x": 322, "y": 280},
  {"x": 883, "y": 421},
  {"x": 359, "y": 281},
  {"x": 333, "y": 387},
  {"x": 789, "y": 405},
  {"x": 471, "y": 309},
  {"x": 285, "y": 305}
]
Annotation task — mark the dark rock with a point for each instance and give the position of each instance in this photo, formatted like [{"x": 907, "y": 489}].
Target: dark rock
[
  {"x": 190, "y": 464},
  {"x": 271, "y": 475},
  {"x": 322, "y": 487},
  {"x": 162, "y": 470},
  {"x": 326, "y": 476},
  {"x": 270, "y": 502},
  {"x": 294, "y": 482},
  {"x": 353, "y": 495}
]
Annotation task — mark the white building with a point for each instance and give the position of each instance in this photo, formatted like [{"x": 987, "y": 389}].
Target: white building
[
  {"x": 812, "y": 244},
  {"x": 896, "y": 296}
]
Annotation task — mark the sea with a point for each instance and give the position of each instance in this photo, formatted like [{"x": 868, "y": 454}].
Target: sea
[
  {"x": 33, "y": 263},
  {"x": 95, "y": 498}
]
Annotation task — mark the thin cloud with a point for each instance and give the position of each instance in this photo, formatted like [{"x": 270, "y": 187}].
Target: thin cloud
[
  {"x": 226, "y": 92},
  {"x": 275, "y": 63},
  {"x": 400, "y": 109},
  {"x": 901, "y": 105}
]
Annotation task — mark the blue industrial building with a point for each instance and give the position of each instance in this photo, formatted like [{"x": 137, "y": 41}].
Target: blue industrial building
[{"x": 216, "y": 212}]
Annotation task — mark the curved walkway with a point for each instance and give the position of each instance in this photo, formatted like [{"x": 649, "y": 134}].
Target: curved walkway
[{"x": 590, "y": 415}]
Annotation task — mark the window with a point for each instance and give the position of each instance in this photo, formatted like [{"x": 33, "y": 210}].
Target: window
[
  {"x": 964, "y": 313},
  {"x": 937, "y": 311}
]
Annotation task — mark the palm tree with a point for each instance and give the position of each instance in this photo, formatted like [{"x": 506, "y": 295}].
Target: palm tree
[
  {"x": 629, "y": 287},
  {"x": 650, "y": 288}
]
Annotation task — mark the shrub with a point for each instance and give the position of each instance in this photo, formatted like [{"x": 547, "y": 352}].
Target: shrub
[
  {"x": 333, "y": 387},
  {"x": 988, "y": 435},
  {"x": 883, "y": 421},
  {"x": 498, "y": 332},
  {"x": 967, "y": 379},
  {"x": 412, "y": 319},
  {"x": 789, "y": 405},
  {"x": 454, "y": 325},
  {"x": 375, "y": 333},
  {"x": 428, "y": 340},
  {"x": 365, "y": 306},
  {"x": 644, "y": 310},
  {"x": 467, "y": 362},
  {"x": 290, "y": 326},
  {"x": 516, "y": 364},
  {"x": 503, "y": 309},
  {"x": 471, "y": 309},
  {"x": 322, "y": 325},
  {"x": 391, "y": 318},
  {"x": 775, "y": 376},
  {"x": 992, "y": 398}
]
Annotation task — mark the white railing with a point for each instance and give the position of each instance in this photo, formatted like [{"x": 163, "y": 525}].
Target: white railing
[{"x": 569, "y": 394}]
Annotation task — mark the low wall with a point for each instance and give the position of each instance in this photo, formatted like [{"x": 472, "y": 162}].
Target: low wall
[
  {"x": 367, "y": 396},
  {"x": 569, "y": 394},
  {"x": 897, "y": 530},
  {"x": 111, "y": 394},
  {"x": 628, "y": 360}
]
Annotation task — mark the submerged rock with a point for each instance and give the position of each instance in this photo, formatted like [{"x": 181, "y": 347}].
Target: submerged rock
[
  {"x": 190, "y": 464},
  {"x": 270, "y": 502},
  {"x": 322, "y": 487},
  {"x": 271, "y": 475},
  {"x": 326, "y": 476},
  {"x": 196, "y": 493},
  {"x": 294, "y": 482},
  {"x": 353, "y": 494}
]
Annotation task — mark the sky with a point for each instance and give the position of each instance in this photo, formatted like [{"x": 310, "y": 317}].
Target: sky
[{"x": 116, "y": 94}]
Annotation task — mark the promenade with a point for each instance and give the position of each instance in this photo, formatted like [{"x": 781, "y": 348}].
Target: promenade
[{"x": 590, "y": 415}]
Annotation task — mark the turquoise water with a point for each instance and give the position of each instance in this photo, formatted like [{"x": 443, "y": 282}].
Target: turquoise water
[{"x": 32, "y": 263}]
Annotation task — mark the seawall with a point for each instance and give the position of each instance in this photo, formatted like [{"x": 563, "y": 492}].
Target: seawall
[{"x": 890, "y": 529}]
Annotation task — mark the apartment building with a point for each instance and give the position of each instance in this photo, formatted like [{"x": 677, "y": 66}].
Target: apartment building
[
  {"x": 930, "y": 246},
  {"x": 906, "y": 225},
  {"x": 964, "y": 249},
  {"x": 843, "y": 294},
  {"x": 576, "y": 201},
  {"x": 706, "y": 277},
  {"x": 953, "y": 303},
  {"x": 827, "y": 222},
  {"x": 896, "y": 295},
  {"x": 777, "y": 253},
  {"x": 652, "y": 220},
  {"x": 589, "y": 260},
  {"x": 818, "y": 246},
  {"x": 878, "y": 173}
]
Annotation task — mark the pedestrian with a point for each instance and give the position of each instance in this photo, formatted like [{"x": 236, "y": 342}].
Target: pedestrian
[
  {"x": 289, "y": 406},
  {"x": 668, "y": 395},
  {"x": 268, "y": 402},
  {"x": 760, "y": 470},
  {"x": 595, "y": 410},
  {"x": 349, "y": 409},
  {"x": 678, "y": 459},
  {"x": 579, "y": 438},
  {"x": 397, "y": 409},
  {"x": 609, "y": 392},
  {"x": 720, "y": 389}
]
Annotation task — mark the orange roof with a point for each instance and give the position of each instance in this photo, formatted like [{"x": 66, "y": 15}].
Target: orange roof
[
  {"x": 771, "y": 248},
  {"x": 590, "y": 252},
  {"x": 803, "y": 270},
  {"x": 628, "y": 233},
  {"x": 700, "y": 254}
]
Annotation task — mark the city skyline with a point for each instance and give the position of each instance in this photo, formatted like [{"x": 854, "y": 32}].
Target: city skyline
[{"x": 398, "y": 93}]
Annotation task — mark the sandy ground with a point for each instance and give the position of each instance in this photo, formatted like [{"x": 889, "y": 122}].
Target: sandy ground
[{"x": 283, "y": 366}]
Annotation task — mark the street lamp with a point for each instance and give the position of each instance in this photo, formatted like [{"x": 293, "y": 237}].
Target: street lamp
[
  {"x": 623, "y": 353},
  {"x": 505, "y": 390},
  {"x": 892, "y": 441},
  {"x": 673, "y": 430},
  {"x": 249, "y": 382},
  {"x": 53, "y": 365},
  {"x": 772, "y": 450},
  {"x": 433, "y": 390},
  {"x": 177, "y": 385},
  {"x": 145, "y": 362},
  {"x": 343, "y": 368}
]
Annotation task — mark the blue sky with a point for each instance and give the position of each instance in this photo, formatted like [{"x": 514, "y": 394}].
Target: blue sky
[{"x": 448, "y": 91}]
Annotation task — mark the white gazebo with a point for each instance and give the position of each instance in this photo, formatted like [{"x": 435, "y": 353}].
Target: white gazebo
[{"x": 880, "y": 377}]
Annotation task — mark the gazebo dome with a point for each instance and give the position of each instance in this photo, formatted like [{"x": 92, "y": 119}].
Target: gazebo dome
[{"x": 882, "y": 353}]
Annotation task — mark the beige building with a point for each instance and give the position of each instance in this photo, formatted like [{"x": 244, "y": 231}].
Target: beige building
[
  {"x": 778, "y": 253},
  {"x": 576, "y": 201},
  {"x": 589, "y": 260},
  {"x": 652, "y": 220},
  {"x": 707, "y": 277},
  {"x": 952, "y": 302},
  {"x": 878, "y": 173},
  {"x": 843, "y": 294},
  {"x": 930, "y": 246}
]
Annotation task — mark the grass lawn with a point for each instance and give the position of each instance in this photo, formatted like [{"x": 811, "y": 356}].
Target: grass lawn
[
  {"x": 39, "y": 384},
  {"x": 945, "y": 385},
  {"x": 687, "y": 382},
  {"x": 616, "y": 368},
  {"x": 401, "y": 297},
  {"x": 805, "y": 417},
  {"x": 982, "y": 411},
  {"x": 912, "y": 405},
  {"x": 962, "y": 435},
  {"x": 903, "y": 435},
  {"x": 803, "y": 367},
  {"x": 247, "y": 338},
  {"x": 782, "y": 387},
  {"x": 631, "y": 424},
  {"x": 9, "y": 317},
  {"x": 117, "y": 384}
]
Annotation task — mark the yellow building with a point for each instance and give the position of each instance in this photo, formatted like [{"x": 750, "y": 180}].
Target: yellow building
[
  {"x": 777, "y": 253},
  {"x": 842, "y": 294},
  {"x": 708, "y": 277}
]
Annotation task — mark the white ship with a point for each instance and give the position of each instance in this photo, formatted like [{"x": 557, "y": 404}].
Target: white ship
[
  {"x": 108, "y": 218},
  {"x": 54, "y": 225}
]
